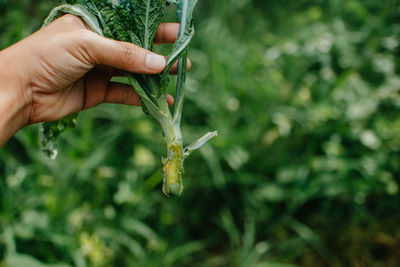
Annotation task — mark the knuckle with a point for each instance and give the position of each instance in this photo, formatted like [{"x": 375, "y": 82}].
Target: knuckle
[
  {"x": 73, "y": 22},
  {"x": 71, "y": 19},
  {"x": 84, "y": 39},
  {"x": 128, "y": 54}
]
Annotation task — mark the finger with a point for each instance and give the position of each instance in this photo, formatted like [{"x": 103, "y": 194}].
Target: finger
[
  {"x": 173, "y": 71},
  {"x": 174, "y": 68},
  {"x": 95, "y": 87},
  {"x": 119, "y": 73},
  {"x": 119, "y": 93},
  {"x": 120, "y": 55},
  {"x": 167, "y": 33},
  {"x": 170, "y": 100}
]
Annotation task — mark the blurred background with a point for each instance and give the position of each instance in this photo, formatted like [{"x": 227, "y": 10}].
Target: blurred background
[{"x": 305, "y": 171}]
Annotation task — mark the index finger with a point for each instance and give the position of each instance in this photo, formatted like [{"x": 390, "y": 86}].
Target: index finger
[{"x": 167, "y": 33}]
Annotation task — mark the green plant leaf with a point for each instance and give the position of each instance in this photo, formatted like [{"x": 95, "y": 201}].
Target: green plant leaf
[
  {"x": 77, "y": 10},
  {"x": 147, "y": 15},
  {"x": 199, "y": 143}
]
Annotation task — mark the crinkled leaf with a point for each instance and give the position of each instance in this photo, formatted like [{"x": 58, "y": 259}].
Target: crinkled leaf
[{"x": 147, "y": 15}]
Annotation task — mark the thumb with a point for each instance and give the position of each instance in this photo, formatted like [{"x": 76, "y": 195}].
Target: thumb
[{"x": 122, "y": 55}]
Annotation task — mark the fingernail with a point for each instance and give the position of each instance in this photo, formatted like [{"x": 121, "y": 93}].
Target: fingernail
[{"x": 155, "y": 62}]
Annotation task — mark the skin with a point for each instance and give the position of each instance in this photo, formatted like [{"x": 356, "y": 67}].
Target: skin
[{"x": 65, "y": 68}]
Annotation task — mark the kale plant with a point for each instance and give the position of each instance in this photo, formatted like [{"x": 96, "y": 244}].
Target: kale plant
[{"x": 137, "y": 21}]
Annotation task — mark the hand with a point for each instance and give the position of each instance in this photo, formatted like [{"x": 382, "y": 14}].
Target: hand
[{"x": 65, "y": 68}]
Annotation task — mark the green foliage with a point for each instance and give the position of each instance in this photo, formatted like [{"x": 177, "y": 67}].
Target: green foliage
[
  {"x": 305, "y": 171},
  {"x": 49, "y": 132}
]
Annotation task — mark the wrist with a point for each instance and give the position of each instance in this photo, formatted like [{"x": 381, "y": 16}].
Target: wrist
[{"x": 15, "y": 98}]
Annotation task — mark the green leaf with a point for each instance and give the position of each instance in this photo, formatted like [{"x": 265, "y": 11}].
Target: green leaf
[
  {"x": 49, "y": 132},
  {"x": 77, "y": 10},
  {"x": 186, "y": 32},
  {"x": 147, "y": 15},
  {"x": 199, "y": 143}
]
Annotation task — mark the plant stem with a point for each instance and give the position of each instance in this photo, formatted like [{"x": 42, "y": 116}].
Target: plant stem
[{"x": 173, "y": 163}]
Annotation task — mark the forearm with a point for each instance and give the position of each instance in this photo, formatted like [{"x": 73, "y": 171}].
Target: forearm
[{"x": 14, "y": 106}]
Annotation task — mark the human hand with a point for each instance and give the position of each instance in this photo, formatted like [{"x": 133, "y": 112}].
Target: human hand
[{"x": 65, "y": 68}]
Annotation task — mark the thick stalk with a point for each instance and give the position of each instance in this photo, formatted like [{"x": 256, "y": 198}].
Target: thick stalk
[
  {"x": 173, "y": 163},
  {"x": 173, "y": 170}
]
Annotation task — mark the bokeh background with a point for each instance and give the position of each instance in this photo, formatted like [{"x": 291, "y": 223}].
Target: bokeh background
[{"x": 305, "y": 171}]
